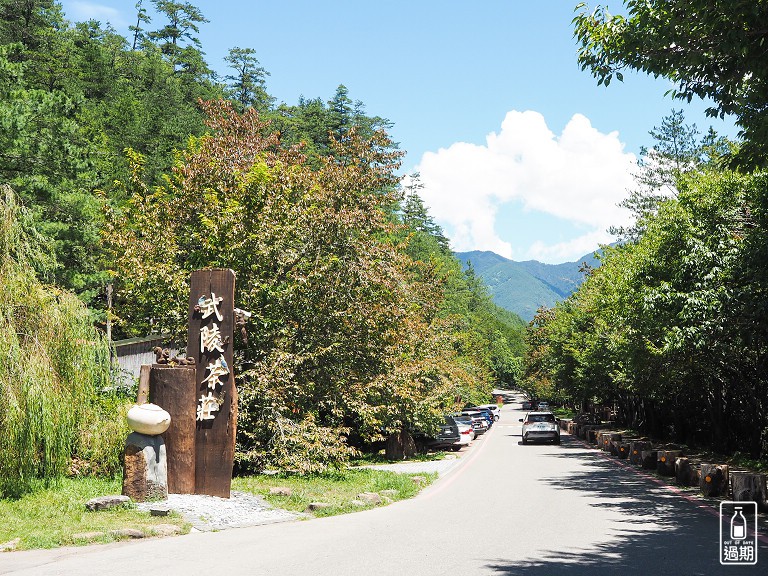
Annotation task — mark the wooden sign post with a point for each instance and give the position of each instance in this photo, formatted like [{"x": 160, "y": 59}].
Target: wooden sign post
[
  {"x": 175, "y": 389},
  {"x": 209, "y": 342}
]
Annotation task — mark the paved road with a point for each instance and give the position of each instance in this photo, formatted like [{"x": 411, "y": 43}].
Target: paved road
[{"x": 504, "y": 509}]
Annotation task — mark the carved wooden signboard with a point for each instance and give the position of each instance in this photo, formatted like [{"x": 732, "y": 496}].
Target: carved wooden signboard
[{"x": 210, "y": 342}]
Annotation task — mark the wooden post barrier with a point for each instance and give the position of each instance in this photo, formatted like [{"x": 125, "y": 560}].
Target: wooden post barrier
[
  {"x": 622, "y": 450},
  {"x": 648, "y": 459},
  {"x": 609, "y": 437},
  {"x": 599, "y": 438},
  {"x": 750, "y": 487},
  {"x": 713, "y": 479},
  {"x": 665, "y": 461},
  {"x": 635, "y": 449},
  {"x": 685, "y": 473}
]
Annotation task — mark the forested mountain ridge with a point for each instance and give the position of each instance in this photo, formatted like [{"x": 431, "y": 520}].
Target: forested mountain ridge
[{"x": 524, "y": 287}]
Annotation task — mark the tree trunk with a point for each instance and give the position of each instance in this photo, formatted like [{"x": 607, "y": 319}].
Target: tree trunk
[
  {"x": 400, "y": 446},
  {"x": 750, "y": 487},
  {"x": 713, "y": 479},
  {"x": 622, "y": 450}
]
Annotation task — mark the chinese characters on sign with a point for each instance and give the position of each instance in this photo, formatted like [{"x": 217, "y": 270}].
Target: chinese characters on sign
[
  {"x": 212, "y": 348},
  {"x": 738, "y": 533}
]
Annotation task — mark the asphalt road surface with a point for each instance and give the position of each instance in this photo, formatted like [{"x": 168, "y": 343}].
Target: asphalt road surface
[{"x": 506, "y": 509}]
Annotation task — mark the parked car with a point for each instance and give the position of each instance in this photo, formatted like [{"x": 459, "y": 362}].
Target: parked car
[
  {"x": 488, "y": 414},
  {"x": 540, "y": 426},
  {"x": 461, "y": 419},
  {"x": 527, "y": 405},
  {"x": 479, "y": 421},
  {"x": 448, "y": 434},
  {"x": 494, "y": 408},
  {"x": 466, "y": 433},
  {"x": 543, "y": 406},
  {"x": 484, "y": 411}
]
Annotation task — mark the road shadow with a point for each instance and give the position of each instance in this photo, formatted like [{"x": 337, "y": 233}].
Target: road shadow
[{"x": 658, "y": 533}]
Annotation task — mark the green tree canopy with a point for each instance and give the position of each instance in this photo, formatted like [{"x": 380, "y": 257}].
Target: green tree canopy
[
  {"x": 344, "y": 341},
  {"x": 708, "y": 49}
]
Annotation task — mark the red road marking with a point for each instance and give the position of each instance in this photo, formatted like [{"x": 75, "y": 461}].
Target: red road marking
[{"x": 459, "y": 469}]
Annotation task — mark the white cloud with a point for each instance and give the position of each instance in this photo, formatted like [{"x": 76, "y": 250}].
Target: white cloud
[
  {"x": 82, "y": 11},
  {"x": 579, "y": 176},
  {"x": 569, "y": 250}
]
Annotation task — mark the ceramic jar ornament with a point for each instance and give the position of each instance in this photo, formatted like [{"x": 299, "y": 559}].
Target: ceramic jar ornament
[{"x": 148, "y": 419}]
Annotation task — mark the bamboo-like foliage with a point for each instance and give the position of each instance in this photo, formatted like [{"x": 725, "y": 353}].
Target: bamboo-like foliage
[{"x": 51, "y": 360}]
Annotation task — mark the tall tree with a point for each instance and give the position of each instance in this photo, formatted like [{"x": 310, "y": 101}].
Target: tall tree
[
  {"x": 178, "y": 40},
  {"x": 341, "y": 112},
  {"x": 677, "y": 151},
  {"x": 26, "y": 21},
  {"x": 248, "y": 83},
  {"x": 142, "y": 18}
]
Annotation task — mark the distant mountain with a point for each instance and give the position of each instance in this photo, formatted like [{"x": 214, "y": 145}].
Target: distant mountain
[{"x": 523, "y": 287}]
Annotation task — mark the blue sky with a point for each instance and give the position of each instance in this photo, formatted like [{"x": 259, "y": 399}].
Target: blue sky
[{"x": 519, "y": 150}]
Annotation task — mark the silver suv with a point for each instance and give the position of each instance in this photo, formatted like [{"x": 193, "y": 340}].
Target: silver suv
[{"x": 540, "y": 426}]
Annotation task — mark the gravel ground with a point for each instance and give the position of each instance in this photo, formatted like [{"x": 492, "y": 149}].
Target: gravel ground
[{"x": 207, "y": 513}]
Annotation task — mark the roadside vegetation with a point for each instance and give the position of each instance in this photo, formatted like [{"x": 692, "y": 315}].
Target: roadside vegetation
[
  {"x": 127, "y": 163},
  {"x": 671, "y": 330}
]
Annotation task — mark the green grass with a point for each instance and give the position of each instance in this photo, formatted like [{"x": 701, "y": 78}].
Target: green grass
[
  {"x": 338, "y": 489},
  {"x": 379, "y": 458},
  {"x": 49, "y": 517}
]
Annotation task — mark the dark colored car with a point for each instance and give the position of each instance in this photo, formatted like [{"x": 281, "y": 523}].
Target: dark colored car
[{"x": 448, "y": 434}]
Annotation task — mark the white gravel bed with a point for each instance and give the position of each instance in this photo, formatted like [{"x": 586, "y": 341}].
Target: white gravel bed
[{"x": 207, "y": 513}]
